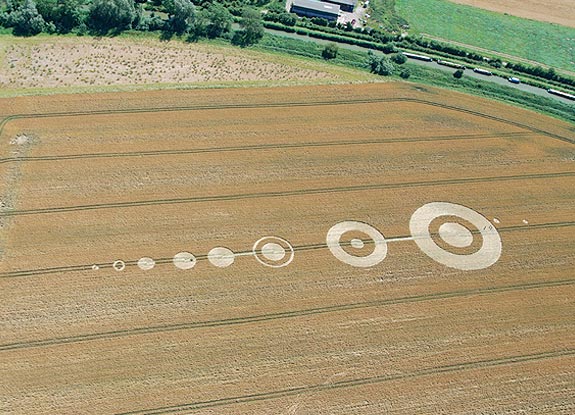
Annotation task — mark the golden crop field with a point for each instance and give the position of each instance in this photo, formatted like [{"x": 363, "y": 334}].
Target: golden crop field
[{"x": 345, "y": 249}]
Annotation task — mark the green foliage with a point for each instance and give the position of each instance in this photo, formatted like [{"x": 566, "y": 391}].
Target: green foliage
[
  {"x": 542, "y": 42},
  {"x": 66, "y": 15},
  {"x": 496, "y": 63},
  {"x": 235, "y": 7},
  {"x": 220, "y": 20},
  {"x": 458, "y": 74},
  {"x": 405, "y": 73},
  {"x": 399, "y": 58},
  {"x": 549, "y": 74},
  {"x": 381, "y": 65},
  {"x": 252, "y": 28},
  {"x": 107, "y": 16},
  {"x": 280, "y": 16},
  {"x": 145, "y": 22},
  {"x": 47, "y": 9},
  {"x": 330, "y": 51},
  {"x": 27, "y": 21},
  {"x": 181, "y": 16},
  {"x": 319, "y": 21}
]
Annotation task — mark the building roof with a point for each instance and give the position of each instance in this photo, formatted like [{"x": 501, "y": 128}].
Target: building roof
[
  {"x": 347, "y": 2},
  {"x": 317, "y": 6}
]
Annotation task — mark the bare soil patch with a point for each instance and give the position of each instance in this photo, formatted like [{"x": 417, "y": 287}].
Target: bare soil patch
[{"x": 78, "y": 62}]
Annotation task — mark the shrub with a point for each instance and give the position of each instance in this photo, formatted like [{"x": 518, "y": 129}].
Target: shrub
[
  {"x": 399, "y": 58},
  {"x": 380, "y": 65},
  {"x": 330, "y": 51}
]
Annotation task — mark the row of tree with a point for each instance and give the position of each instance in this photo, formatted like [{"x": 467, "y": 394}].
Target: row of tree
[{"x": 102, "y": 17}]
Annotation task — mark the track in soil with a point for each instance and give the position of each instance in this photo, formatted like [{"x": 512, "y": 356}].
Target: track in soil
[
  {"x": 287, "y": 105},
  {"x": 303, "y": 192},
  {"x": 270, "y": 395},
  {"x": 480, "y": 364},
  {"x": 281, "y": 315},
  {"x": 266, "y": 147}
]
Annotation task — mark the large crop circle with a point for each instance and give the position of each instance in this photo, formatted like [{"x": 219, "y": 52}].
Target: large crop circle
[{"x": 456, "y": 236}]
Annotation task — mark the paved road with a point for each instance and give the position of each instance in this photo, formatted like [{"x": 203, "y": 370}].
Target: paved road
[{"x": 468, "y": 73}]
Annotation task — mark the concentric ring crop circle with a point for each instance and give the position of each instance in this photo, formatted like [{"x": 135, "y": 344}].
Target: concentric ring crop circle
[
  {"x": 333, "y": 241},
  {"x": 267, "y": 247},
  {"x": 487, "y": 255}
]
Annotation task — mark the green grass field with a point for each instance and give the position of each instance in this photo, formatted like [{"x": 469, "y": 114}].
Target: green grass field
[
  {"x": 547, "y": 43},
  {"x": 384, "y": 15}
]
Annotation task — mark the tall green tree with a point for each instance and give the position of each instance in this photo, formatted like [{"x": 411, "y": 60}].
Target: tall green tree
[
  {"x": 111, "y": 15},
  {"x": 27, "y": 21},
  {"x": 220, "y": 20},
  {"x": 71, "y": 14},
  {"x": 182, "y": 16},
  {"x": 380, "y": 65},
  {"x": 252, "y": 28},
  {"x": 64, "y": 14}
]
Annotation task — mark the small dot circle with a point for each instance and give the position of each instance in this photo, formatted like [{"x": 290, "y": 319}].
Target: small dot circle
[
  {"x": 273, "y": 251},
  {"x": 456, "y": 235},
  {"x": 95, "y": 267},
  {"x": 357, "y": 243},
  {"x": 146, "y": 263},
  {"x": 221, "y": 257}
]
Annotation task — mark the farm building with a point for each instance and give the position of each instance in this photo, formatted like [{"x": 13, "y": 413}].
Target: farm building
[
  {"x": 344, "y": 5},
  {"x": 314, "y": 8}
]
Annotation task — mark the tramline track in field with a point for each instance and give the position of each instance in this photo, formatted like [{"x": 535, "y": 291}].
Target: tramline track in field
[
  {"x": 303, "y": 192},
  {"x": 264, "y": 147},
  {"x": 502, "y": 361},
  {"x": 286, "y": 105},
  {"x": 284, "y": 315}
]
